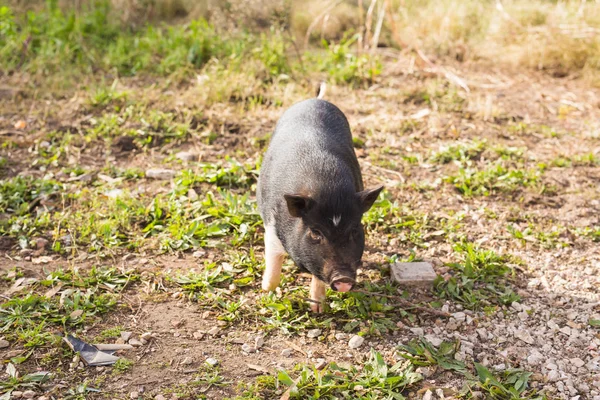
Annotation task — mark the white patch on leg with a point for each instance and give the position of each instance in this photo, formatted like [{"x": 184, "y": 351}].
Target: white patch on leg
[
  {"x": 274, "y": 253},
  {"x": 336, "y": 220},
  {"x": 317, "y": 293}
]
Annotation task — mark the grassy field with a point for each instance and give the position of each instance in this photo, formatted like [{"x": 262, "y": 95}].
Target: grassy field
[{"x": 131, "y": 138}]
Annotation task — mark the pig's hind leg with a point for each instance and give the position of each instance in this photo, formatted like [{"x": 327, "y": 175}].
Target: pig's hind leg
[{"x": 274, "y": 254}]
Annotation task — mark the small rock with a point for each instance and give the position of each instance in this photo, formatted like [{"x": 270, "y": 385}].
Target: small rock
[
  {"x": 160, "y": 173},
  {"x": 553, "y": 325},
  {"x": 535, "y": 358},
  {"x": 516, "y": 305},
  {"x": 198, "y": 335},
  {"x": 286, "y": 352},
  {"x": 160, "y": 397},
  {"x": 524, "y": 336},
  {"x": 434, "y": 340},
  {"x": 213, "y": 362},
  {"x": 460, "y": 316},
  {"x": 566, "y": 330},
  {"x": 187, "y": 156},
  {"x": 134, "y": 395},
  {"x": 28, "y": 394},
  {"x": 428, "y": 395},
  {"x": 177, "y": 323},
  {"x": 413, "y": 273},
  {"x": 417, "y": 331},
  {"x": 321, "y": 363},
  {"x": 553, "y": 375},
  {"x": 551, "y": 366},
  {"x": 341, "y": 336},
  {"x": 248, "y": 349},
  {"x": 198, "y": 254},
  {"x": 356, "y": 341},
  {"x": 187, "y": 361},
  {"x": 214, "y": 331},
  {"x": 425, "y": 371},
  {"x": 578, "y": 362},
  {"x": 147, "y": 336},
  {"x": 313, "y": 333},
  {"x": 4, "y": 343},
  {"x": 126, "y": 335},
  {"x": 135, "y": 342},
  {"x": 259, "y": 342},
  {"x": 16, "y": 394}
]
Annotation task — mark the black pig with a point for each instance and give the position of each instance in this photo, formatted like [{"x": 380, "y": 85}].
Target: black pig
[{"x": 311, "y": 198}]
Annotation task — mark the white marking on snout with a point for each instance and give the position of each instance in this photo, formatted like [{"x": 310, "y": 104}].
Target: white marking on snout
[{"x": 336, "y": 220}]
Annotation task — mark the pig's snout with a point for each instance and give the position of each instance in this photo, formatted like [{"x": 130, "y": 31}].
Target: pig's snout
[{"x": 343, "y": 284}]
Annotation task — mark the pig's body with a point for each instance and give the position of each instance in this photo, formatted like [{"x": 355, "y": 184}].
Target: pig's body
[{"x": 311, "y": 198}]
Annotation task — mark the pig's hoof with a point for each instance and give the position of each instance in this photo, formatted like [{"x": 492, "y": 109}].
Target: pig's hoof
[
  {"x": 316, "y": 307},
  {"x": 268, "y": 286}
]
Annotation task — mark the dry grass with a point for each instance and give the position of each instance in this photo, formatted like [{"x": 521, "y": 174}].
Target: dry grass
[{"x": 561, "y": 37}]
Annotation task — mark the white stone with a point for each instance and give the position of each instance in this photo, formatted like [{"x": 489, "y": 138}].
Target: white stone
[
  {"x": 187, "y": 361},
  {"x": 524, "y": 336},
  {"x": 417, "y": 331},
  {"x": 553, "y": 375},
  {"x": 286, "y": 352},
  {"x": 4, "y": 343},
  {"x": 535, "y": 358},
  {"x": 356, "y": 341},
  {"x": 313, "y": 333},
  {"x": 413, "y": 273},
  {"x": 341, "y": 336},
  {"x": 213, "y": 362},
  {"x": 578, "y": 362},
  {"x": 428, "y": 395},
  {"x": 187, "y": 156},
  {"x": 160, "y": 173}
]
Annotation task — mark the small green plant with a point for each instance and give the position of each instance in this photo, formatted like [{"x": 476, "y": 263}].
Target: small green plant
[
  {"x": 422, "y": 353},
  {"x": 15, "y": 382},
  {"x": 344, "y": 66},
  {"x": 460, "y": 152},
  {"x": 512, "y": 384},
  {"x": 492, "y": 180},
  {"x": 121, "y": 366},
  {"x": 376, "y": 380},
  {"x": 479, "y": 280}
]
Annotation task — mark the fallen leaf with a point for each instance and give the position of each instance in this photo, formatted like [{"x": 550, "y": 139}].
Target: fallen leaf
[
  {"x": 20, "y": 124},
  {"x": 76, "y": 314}
]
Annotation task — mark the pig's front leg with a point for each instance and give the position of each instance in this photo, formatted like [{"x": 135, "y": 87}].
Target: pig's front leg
[
  {"x": 274, "y": 254},
  {"x": 317, "y": 293}
]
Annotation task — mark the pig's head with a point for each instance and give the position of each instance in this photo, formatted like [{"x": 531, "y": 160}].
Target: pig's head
[{"x": 328, "y": 238}]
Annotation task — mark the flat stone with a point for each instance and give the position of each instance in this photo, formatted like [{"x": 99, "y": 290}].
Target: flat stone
[
  {"x": 341, "y": 336},
  {"x": 535, "y": 358},
  {"x": 16, "y": 394},
  {"x": 356, "y": 341},
  {"x": 428, "y": 395},
  {"x": 286, "y": 352},
  {"x": 413, "y": 273},
  {"x": 417, "y": 331},
  {"x": 126, "y": 335},
  {"x": 524, "y": 336},
  {"x": 134, "y": 395},
  {"x": 259, "y": 342},
  {"x": 553, "y": 375},
  {"x": 28, "y": 394},
  {"x": 187, "y": 361},
  {"x": 248, "y": 349},
  {"x": 578, "y": 362},
  {"x": 313, "y": 333},
  {"x": 160, "y": 173},
  {"x": 4, "y": 344},
  {"x": 135, "y": 342},
  {"x": 160, "y": 397},
  {"x": 214, "y": 330},
  {"x": 187, "y": 156},
  {"x": 213, "y": 362}
]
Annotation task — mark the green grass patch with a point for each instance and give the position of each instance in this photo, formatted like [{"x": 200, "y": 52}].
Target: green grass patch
[
  {"x": 481, "y": 279},
  {"x": 493, "y": 180},
  {"x": 375, "y": 380}
]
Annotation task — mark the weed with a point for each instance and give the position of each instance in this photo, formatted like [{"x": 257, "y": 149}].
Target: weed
[
  {"x": 376, "y": 380},
  {"x": 121, "y": 366},
  {"x": 511, "y": 384},
  {"x": 14, "y": 381},
  {"x": 110, "y": 333},
  {"x": 422, "y": 353},
  {"x": 480, "y": 280},
  {"x": 492, "y": 180},
  {"x": 460, "y": 152},
  {"x": 343, "y": 66},
  {"x": 20, "y": 195}
]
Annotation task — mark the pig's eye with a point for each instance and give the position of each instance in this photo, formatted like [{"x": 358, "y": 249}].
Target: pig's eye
[{"x": 315, "y": 235}]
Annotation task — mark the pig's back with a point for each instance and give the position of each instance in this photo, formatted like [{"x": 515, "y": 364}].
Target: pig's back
[{"x": 311, "y": 149}]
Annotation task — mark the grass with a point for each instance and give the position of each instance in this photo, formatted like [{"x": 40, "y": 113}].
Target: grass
[
  {"x": 481, "y": 279},
  {"x": 493, "y": 180},
  {"x": 375, "y": 380}
]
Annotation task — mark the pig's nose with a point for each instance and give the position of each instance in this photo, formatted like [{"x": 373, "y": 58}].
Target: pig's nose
[{"x": 342, "y": 285}]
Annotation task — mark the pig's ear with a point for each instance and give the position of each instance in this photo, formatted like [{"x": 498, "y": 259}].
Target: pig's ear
[
  {"x": 368, "y": 197},
  {"x": 297, "y": 204}
]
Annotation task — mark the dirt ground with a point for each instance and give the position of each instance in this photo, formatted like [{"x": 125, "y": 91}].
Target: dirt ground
[{"x": 546, "y": 333}]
